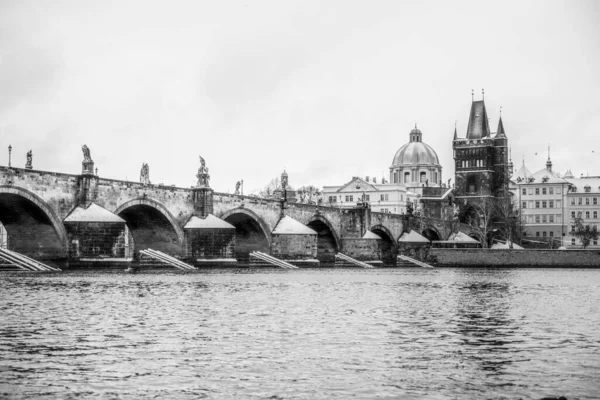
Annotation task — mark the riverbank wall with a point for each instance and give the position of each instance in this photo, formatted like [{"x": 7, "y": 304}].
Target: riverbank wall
[{"x": 513, "y": 258}]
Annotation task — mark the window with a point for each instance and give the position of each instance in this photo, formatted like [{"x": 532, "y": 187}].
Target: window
[
  {"x": 368, "y": 197},
  {"x": 332, "y": 199},
  {"x": 587, "y": 188},
  {"x": 595, "y": 242},
  {"x": 523, "y": 191},
  {"x": 587, "y": 201},
  {"x": 537, "y": 191},
  {"x": 537, "y": 219},
  {"x": 530, "y": 190},
  {"x": 587, "y": 214},
  {"x": 406, "y": 177},
  {"x": 544, "y": 191},
  {"x": 572, "y": 228},
  {"x": 350, "y": 198},
  {"x": 595, "y": 201},
  {"x": 579, "y": 201},
  {"x": 573, "y": 241},
  {"x": 551, "y": 203},
  {"x": 537, "y": 234},
  {"x": 544, "y": 234},
  {"x": 544, "y": 203},
  {"x": 382, "y": 198},
  {"x": 544, "y": 218},
  {"x": 579, "y": 214},
  {"x": 551, "y": 190},
  {"x": 551, "y": 233},
  {"x": 572, "y": 201},
  {"x": 595, "y": 214},
  {"x": 572, "y": 214},
  {"x": 524, "y": 204},
  {"x": 537, "y": 204},
  {"x": 557, "y": 190},
  {"x": 551, "y": 218}
]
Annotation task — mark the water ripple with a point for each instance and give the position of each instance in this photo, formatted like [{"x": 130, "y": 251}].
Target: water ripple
[{"x": 304, "y": 334}]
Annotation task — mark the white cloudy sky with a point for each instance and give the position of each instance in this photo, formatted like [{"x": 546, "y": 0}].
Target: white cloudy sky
[{"x": 325, "y": 89}]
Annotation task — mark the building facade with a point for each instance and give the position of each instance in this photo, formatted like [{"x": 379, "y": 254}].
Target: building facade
[
  {"x": 482, "y": 166},
  {"x": 382, "y": 197},
  {"x": 542, "y": 201},
  {"x": 583, "y": 200},
  {"x": 415, "y": 173},
  {"x": 416, "y": 163}
]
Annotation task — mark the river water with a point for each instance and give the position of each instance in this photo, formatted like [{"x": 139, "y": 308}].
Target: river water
[{"x": 302, "y": 334}]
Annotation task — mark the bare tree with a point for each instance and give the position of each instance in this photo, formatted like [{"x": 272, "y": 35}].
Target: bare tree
[
  {"x": 269, "y": 190},
  {"x": 585, "y": 233},
  {"x": 508, "y": 220},
  {"x": 481, "y": 219},
  {"x": 309, "y": 194}
]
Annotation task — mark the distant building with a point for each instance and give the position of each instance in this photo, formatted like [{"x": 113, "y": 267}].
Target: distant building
[
  {"x": 415, "y": 174},
  {"x": 583, "y": 200},
  {"x": 541, "y": 198},
  {"x": 550, "y": 203},
  {"x": 416, "y": 164},
  {"x": 382, "y": 197},
  {"x": 482, "y": 166}
]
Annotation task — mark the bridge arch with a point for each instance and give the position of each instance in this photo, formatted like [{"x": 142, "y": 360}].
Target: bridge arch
[
  {"x": 389, "y": 244},
  {"x": 33, "y": 227},
  {"x": 328, "y": 241},
  {"x": 252, "y": 233},
  {"x": 431, "y": 233},
  {"x": 152, "y": 225}
]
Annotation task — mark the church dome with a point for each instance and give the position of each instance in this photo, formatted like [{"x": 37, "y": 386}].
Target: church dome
[{"x": 416, "y": 152}]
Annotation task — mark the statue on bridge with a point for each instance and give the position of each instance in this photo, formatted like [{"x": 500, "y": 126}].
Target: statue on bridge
[
  {"x": 237, "y": 187},
  {"x": 87, "y": 163},
  {"x": 145, "y": 174},
  {"x": 86, "y": 153},
  {"x": 29, "y": 160},
  {"x": 202, "y": 175}
]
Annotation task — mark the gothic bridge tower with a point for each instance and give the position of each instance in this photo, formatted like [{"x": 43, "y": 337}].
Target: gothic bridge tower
[{"x": 481, "y": 161}]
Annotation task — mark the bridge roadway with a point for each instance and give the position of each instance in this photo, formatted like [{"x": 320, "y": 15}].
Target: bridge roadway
[{"x": 34, "y": 205}]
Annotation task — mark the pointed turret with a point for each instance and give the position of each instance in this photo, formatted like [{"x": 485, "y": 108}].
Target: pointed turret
[
  {"x": 500, "y": 132},
  {"x": 455, "y": 134},
  {"x": 479, "y": 126},
  {"x": 549, "y": 162}
]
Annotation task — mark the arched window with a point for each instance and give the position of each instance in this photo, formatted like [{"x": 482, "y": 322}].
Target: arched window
[
  {"x": 423, "y": 177},
  {"x": 472, "y": 184},
  {"x": 406, "y": 177}
]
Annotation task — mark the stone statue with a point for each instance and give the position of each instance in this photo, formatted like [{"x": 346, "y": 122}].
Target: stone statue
[
  {"x": 145, "y": 174},
  {"x": 455, "y": 210},
  {"x": 86, "y": 153},
  {"x": 237, "y": 187},
  {"x": 202, "y": 175},
  {"x": 449, "y": 182},
  {"x": 87, "y": 163},
  {"x": 29, "y": 160}
]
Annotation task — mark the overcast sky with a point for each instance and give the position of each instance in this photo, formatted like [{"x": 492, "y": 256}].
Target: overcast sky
[{"x": 325, "y": 89}]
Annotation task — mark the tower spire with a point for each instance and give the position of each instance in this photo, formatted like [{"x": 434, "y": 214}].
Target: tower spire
[
  {"x": 455, "y": 134},
  {"x": 472, "y": 95},
  {"x": 482, "y": 94},
  {"x": 549, "y": 163}
]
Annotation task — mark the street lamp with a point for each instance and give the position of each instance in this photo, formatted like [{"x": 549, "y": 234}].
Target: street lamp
[{"x": 9, "y": 153}]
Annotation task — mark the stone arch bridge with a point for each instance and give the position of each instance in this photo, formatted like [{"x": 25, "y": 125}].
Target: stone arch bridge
[{"x": 50, "y": 215}]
